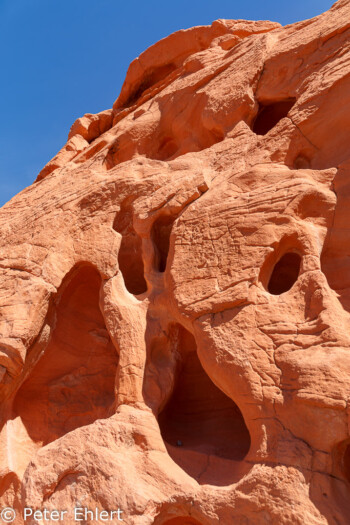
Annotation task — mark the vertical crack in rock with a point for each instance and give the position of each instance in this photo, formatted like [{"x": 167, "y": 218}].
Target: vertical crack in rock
[{"x": 303, "y": 134}]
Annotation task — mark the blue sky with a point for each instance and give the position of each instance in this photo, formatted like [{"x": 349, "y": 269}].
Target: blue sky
[{"x": 63, "y": 58}]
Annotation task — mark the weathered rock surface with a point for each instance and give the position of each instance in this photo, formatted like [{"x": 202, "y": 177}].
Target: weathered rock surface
[{"x": 175, "y": 290}]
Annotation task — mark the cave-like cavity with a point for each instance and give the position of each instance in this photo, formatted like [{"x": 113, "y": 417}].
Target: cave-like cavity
[
  {"x": 73, "y": 383},
  {"x": 203, "y": 429},
  {"x": 160, "y": 235},
  {"x": 130, "y": 251},
  {"x": 270, "y": 114},
  {"x": 285, "y": 273}
]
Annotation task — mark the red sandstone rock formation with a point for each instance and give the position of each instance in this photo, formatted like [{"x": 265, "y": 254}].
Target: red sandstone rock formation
[{"x": 175, "y": 290}]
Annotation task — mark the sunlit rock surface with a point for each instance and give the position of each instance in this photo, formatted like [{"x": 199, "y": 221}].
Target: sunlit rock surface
[{"x": 175, "y": 290}]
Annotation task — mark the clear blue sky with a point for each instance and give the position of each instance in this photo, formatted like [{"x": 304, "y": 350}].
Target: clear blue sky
[{"x": 63, "y": 58}]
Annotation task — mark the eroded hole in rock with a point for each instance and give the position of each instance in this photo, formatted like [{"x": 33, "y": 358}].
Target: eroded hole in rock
[
  {"x": 285, "y": 273},
  {"x": 314, "y": 204},
  {"x": 301, "y": 162},
  {"x": 270, "y": 114},
  {"x": 130, "y": 251},
  {"x": 203, "y": 429},
  {"x": 73, "y": 384},
  {"x": 10, "y": 485},
  {"x": 160, "y": 234},
  {"x": 112, "y": 157},
  {"x": 167, "y": 148}
]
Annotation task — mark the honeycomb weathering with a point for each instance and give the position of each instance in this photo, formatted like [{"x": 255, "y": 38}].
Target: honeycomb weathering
[{"x": 175, "y": 290}]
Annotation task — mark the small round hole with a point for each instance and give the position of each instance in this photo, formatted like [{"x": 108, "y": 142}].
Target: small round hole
[
  {"x": 285, "y": 273},
  {"x": 301, "y": 162}
]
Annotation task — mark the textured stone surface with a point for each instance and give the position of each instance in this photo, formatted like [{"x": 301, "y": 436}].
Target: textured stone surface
[{"x": 175, "y": 290}]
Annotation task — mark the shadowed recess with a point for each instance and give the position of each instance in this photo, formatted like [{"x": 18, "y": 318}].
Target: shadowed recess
[
  {"x": 130, "y": 252},
  {"x": 167, "y": 148},
  {"x": 270, "y": 114},
  {"x": 284, "y": 274},
  {"x": 301, "y": 162},
  {"x": 346, "y": 462},
  {"x": 160, "y": 235},
  {"x": 203, "y": 429},
  {"x": 10, "y": 483},
  {"x": 335, "y": 254},
  {"x": 148, "y": 80},
  {"x": 73, "y": 384}
]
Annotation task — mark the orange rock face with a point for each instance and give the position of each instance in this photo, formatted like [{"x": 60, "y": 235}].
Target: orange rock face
[{"x": 175, "y": 291}]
